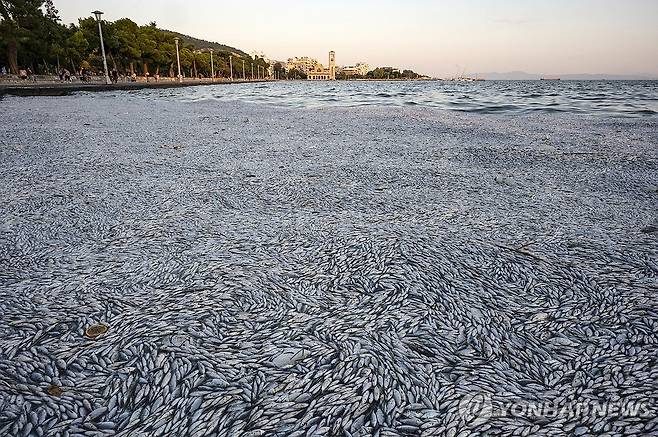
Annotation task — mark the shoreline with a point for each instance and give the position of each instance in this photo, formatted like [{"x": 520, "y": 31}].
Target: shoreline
[{"x": 64, "y": 89}]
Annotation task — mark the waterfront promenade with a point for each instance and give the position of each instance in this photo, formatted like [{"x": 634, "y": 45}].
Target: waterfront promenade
[{"x": 52, "y": 86}]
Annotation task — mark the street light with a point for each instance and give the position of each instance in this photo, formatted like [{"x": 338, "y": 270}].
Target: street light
[
  {"x": 230, "y": 61},
  {"x": 212, "y": 66},
  {"x": 244, "y": 76},
  {"x": 180, "y": 78},
  {"x": 100, "y": 32}
]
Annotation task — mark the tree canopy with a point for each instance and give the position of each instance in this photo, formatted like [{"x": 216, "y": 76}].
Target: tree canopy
[
  {"x": 392, "y": 73},
  {"x": 32, "y": 36}
]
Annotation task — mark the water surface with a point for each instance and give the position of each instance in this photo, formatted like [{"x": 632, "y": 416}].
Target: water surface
[{"x": 618, "y": 98}]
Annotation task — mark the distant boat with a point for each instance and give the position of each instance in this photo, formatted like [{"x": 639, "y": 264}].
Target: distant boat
[
  {"x": 466, "y": 79},
  {"x": 550, "y": 78}
]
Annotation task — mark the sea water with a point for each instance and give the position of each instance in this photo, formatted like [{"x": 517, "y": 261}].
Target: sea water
[{"x": 615, "y": 98}]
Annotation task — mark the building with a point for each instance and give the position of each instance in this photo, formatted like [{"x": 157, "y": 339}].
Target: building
[
  {"x": 332, "y": 65},
  {"x": 360, "y": 69},
  {"x": 321, "y": 73},
  {"x": 304, "y": 64},
  {"x": 390, "y": 69}
]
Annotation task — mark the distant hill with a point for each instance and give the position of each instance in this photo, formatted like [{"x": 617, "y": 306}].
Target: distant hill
[
  {"x": 522, "y": 75},
  {"x": 203, "y": 44}
]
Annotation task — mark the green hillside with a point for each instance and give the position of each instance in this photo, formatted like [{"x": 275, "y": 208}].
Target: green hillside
[{"x": 203, "y": 44}]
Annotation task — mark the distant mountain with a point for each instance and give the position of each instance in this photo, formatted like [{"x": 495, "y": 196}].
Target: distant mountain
[
  {"x": 203, "y": 44},
  {"x": 511, "y": 75},
  {"x": 522, "y": 75}
]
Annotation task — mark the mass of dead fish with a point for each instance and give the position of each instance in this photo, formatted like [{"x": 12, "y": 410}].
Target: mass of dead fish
[{"x": 320, "y": 272}]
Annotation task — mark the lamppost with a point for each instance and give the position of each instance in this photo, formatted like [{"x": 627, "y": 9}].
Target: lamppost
[
  {"x": 180, "y": 78},
  {"x": 244, "y": 75},
  {"x": 212, "y": 67},
  {"x": 230, "y": 61},
  {"x": 100, "y": 32},
  {"x": 252, "y": 71}
]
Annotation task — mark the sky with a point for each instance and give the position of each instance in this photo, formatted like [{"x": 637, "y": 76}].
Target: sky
[{"x": 439, "y": 38}]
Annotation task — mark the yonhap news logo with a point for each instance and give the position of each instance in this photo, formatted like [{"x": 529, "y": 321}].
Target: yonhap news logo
[{"x": 475, "y": 408}]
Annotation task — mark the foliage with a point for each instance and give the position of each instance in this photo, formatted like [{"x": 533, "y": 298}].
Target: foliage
[
  {"x": 32, "y": 36},
  {"x": 24, "y": 27},
  {"x": 391, "y": 73},
  {"x": 279, "y": 70},
  {"x": 295, "y": 73}
]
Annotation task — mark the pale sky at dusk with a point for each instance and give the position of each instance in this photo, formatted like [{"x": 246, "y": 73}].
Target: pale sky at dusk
[{"x": 432, "y": 37}]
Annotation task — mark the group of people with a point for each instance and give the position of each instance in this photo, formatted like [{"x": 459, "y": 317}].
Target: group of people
[
  {"x": 114, "y": 76},
  {"x": 64, "y": 75},
  {"x": 25, "y": 74},
  {"x": 148, "y": 77},
  {"x": 84, "y": 75}
]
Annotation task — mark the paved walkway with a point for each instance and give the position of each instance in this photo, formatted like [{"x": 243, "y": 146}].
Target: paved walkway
[{"x": 57, "y": 88}]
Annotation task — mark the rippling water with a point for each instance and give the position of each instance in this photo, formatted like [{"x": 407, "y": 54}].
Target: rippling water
[{"x": 625, "y": 98}]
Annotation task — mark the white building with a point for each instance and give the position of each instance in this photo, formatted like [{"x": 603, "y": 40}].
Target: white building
[
  {"x": 360, "y": 69},
  {"x": 304, "y": 64},
  {"x": 321, "y": 73}
]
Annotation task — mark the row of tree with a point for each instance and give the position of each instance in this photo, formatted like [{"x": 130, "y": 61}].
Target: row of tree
[
  {"x": 33, "y": 37},
  {"x": 392, "y": 73}
]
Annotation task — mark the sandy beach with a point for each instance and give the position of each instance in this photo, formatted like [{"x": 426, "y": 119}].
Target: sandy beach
[{"x": 227, "y": 268}]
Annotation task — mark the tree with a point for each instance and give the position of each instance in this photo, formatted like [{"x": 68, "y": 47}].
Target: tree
[
  {"x": 129, "y": 47},
  {"x": 148, "y": 44},
  {"x": 279, "y": 70},
  {"x": 51, "y": 11},
  {"x": 186, "y": 60},
  {"x": 75, "y": 48},
  {"x": 18, "y": 20},
  {"x": 203, "y": 63},
  {"x": 31, "y": 35},
  {"x": 165, "y": 55},
  {"x": 294, "y": 73}
]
